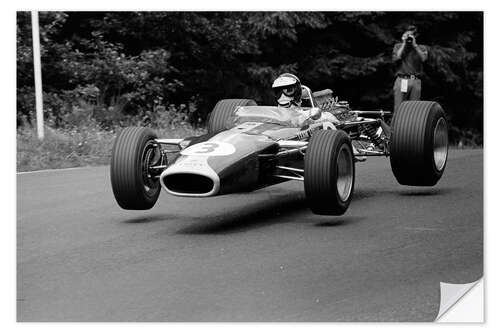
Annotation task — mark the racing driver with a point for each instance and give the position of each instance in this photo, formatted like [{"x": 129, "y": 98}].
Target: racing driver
[{"x": 288, "y": 93}]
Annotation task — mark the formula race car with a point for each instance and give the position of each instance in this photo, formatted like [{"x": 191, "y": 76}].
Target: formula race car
[{"x": 248, "y": 147}]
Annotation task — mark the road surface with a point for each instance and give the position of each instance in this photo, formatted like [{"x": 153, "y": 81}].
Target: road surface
[{"x": 260, "y": 256}]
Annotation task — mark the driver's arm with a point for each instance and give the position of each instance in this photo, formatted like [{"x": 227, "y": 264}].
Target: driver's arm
[{"x": 327, "y": 116}]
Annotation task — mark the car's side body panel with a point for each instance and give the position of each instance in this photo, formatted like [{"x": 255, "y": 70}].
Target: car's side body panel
[{"x": 230, "y": 159}]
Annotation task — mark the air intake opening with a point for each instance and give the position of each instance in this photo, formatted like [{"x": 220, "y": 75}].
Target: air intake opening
[{"x": 188, "y": 183}]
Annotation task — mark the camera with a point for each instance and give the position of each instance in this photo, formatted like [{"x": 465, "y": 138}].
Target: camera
[{"x": 409, "y": 39}]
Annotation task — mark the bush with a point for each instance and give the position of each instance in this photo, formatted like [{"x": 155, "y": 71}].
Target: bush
[{"x": 106, "y": 77}]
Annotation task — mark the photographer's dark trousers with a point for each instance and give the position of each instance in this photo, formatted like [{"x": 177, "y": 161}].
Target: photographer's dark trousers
[{"x": 409, "y": 93}]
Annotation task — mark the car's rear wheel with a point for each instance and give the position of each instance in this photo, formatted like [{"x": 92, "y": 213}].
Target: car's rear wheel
[
  {"x": 419, "y": 143},
  {"x": 223, "y": 112},
  {"x": 134, "y": 152},
  {"x": 329, "y": 172}
]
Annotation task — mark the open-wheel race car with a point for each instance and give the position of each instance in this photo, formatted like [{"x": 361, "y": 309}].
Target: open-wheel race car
[{"x": 248, "y": 147}]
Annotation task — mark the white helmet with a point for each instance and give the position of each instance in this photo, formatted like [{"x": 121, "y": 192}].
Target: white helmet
[{"x": 287, "y": 90}]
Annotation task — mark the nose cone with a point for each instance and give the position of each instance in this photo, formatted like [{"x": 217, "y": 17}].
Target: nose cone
[
  {"x": 190, "y": 176},
  {"x": 227, "y": 162}
]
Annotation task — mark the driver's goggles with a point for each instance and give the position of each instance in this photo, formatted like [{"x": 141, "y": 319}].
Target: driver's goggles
[{"x": 288, "y": 91}]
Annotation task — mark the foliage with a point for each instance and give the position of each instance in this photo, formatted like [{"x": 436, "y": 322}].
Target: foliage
[
  {"x": 86, "y": 144},
  {"x": 62, "y": 148},
  {"x": 118, "y": 67}
]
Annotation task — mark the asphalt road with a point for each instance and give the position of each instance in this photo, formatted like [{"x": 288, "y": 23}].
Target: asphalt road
[{"x": 260, "y": 256}]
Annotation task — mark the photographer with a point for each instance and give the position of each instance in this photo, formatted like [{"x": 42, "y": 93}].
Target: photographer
[{"x": 409, "y": 57}]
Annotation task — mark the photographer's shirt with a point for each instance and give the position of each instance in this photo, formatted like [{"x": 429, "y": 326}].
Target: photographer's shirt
[{"x": 410, "y": 62}]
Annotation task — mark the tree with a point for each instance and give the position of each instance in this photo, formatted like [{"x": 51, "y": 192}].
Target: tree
[{"x": 132, "y": 62}]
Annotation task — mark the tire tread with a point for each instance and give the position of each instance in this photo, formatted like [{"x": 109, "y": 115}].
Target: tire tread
[
  {"x": 125, "y": 178},
  {"x": 320, "y": 182},
  {"x": 412, "y": 143}
]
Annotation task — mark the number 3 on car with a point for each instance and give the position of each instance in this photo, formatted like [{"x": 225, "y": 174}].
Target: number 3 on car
[{"x": 209, "y": 148}]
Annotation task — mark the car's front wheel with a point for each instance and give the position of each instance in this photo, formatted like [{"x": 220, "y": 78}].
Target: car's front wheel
[
  {"x": 329, "y": 172},
  {"x": 134, "y": 184}
]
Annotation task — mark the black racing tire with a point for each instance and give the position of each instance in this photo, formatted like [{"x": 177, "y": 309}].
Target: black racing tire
[
  {"x": 419, "y": 143},
  {"x": 133, "y": 150},
  {"x": 329, "y": 172},
  {"x": 223, "y": 111}
]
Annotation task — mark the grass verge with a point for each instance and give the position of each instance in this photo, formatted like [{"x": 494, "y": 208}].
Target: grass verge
[{"x": 82, "y": 146}]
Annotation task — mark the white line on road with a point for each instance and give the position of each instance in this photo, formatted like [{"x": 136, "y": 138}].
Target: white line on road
[{"x": 54, "y": 170}]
